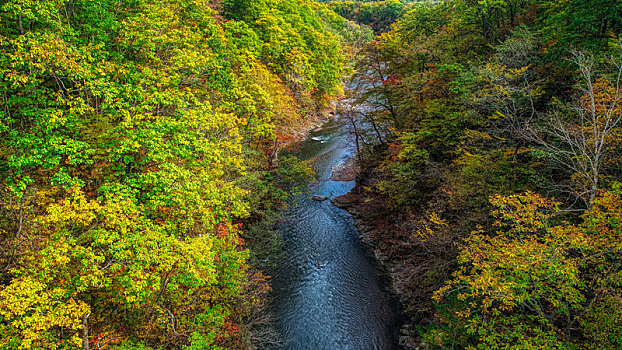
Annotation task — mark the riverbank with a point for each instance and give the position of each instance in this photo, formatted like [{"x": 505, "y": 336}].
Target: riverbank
[
  {"x": 373, "y": 222},
  {"x": 307, "y": 125},
  {"x": 415, "y": 267}
]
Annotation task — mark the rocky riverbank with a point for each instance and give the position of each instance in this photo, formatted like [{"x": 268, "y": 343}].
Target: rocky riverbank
[
  {"x": 415, "y": 267},
  {"x": 374, "y": 223}
]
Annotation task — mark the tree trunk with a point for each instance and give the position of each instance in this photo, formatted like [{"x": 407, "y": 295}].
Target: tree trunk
[
  {"x": 85, "y": 331},
  {"x": 357, "y": 136},
  {"x": 373, "y": 124},
  {"x": 593, "y": 190}
]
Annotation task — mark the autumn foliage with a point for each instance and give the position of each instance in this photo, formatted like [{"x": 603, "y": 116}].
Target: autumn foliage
[
  {"x": 131, "y": 135},
  {"x": 491, "y": 171}
]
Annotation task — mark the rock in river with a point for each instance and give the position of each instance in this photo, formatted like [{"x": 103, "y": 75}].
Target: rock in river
[{"x": 319, "y": 198}]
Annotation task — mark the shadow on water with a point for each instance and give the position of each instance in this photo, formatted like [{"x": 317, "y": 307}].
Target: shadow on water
[{"x": 328, "y": 290}]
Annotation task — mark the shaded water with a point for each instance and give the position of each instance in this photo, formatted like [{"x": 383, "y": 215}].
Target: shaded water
[{"x": 328, "y": 290}]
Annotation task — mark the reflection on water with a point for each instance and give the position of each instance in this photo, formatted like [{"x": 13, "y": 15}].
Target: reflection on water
[{"x": 327, "y": 288}]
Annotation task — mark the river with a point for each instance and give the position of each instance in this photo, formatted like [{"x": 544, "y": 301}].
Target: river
[{"x": 329, "y": 292}]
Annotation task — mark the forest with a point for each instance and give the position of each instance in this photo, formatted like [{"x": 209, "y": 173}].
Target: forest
[
  {"x": 142, "y": 178},
  {"x": 137, "y": 149},
  {"x": 491, "y": 186}
]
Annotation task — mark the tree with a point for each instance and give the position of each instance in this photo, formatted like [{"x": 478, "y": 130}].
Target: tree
[
  {"x": 537, "y": 282},
  {"x": 584, "y": 136},
  {"x": 374, "y": 88},
  {"x": 513, "y": 90}
]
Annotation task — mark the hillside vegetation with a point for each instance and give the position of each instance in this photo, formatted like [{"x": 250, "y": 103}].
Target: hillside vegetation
[
  {"x": 378, "y": 15},
  {"x": 491, "y": 186},
  {"x": 136, "y": 137}
]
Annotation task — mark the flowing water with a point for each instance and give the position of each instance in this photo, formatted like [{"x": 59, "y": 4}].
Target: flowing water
[{"x": 329, "y": 292}]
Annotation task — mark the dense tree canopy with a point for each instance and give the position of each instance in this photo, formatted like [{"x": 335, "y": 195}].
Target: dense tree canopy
[
  {"x": 131, "y": 134},
  {"x": 478, "y": 114},
  {"x": 379, "y": 15},
  {"x": 140, "y": 179}
]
